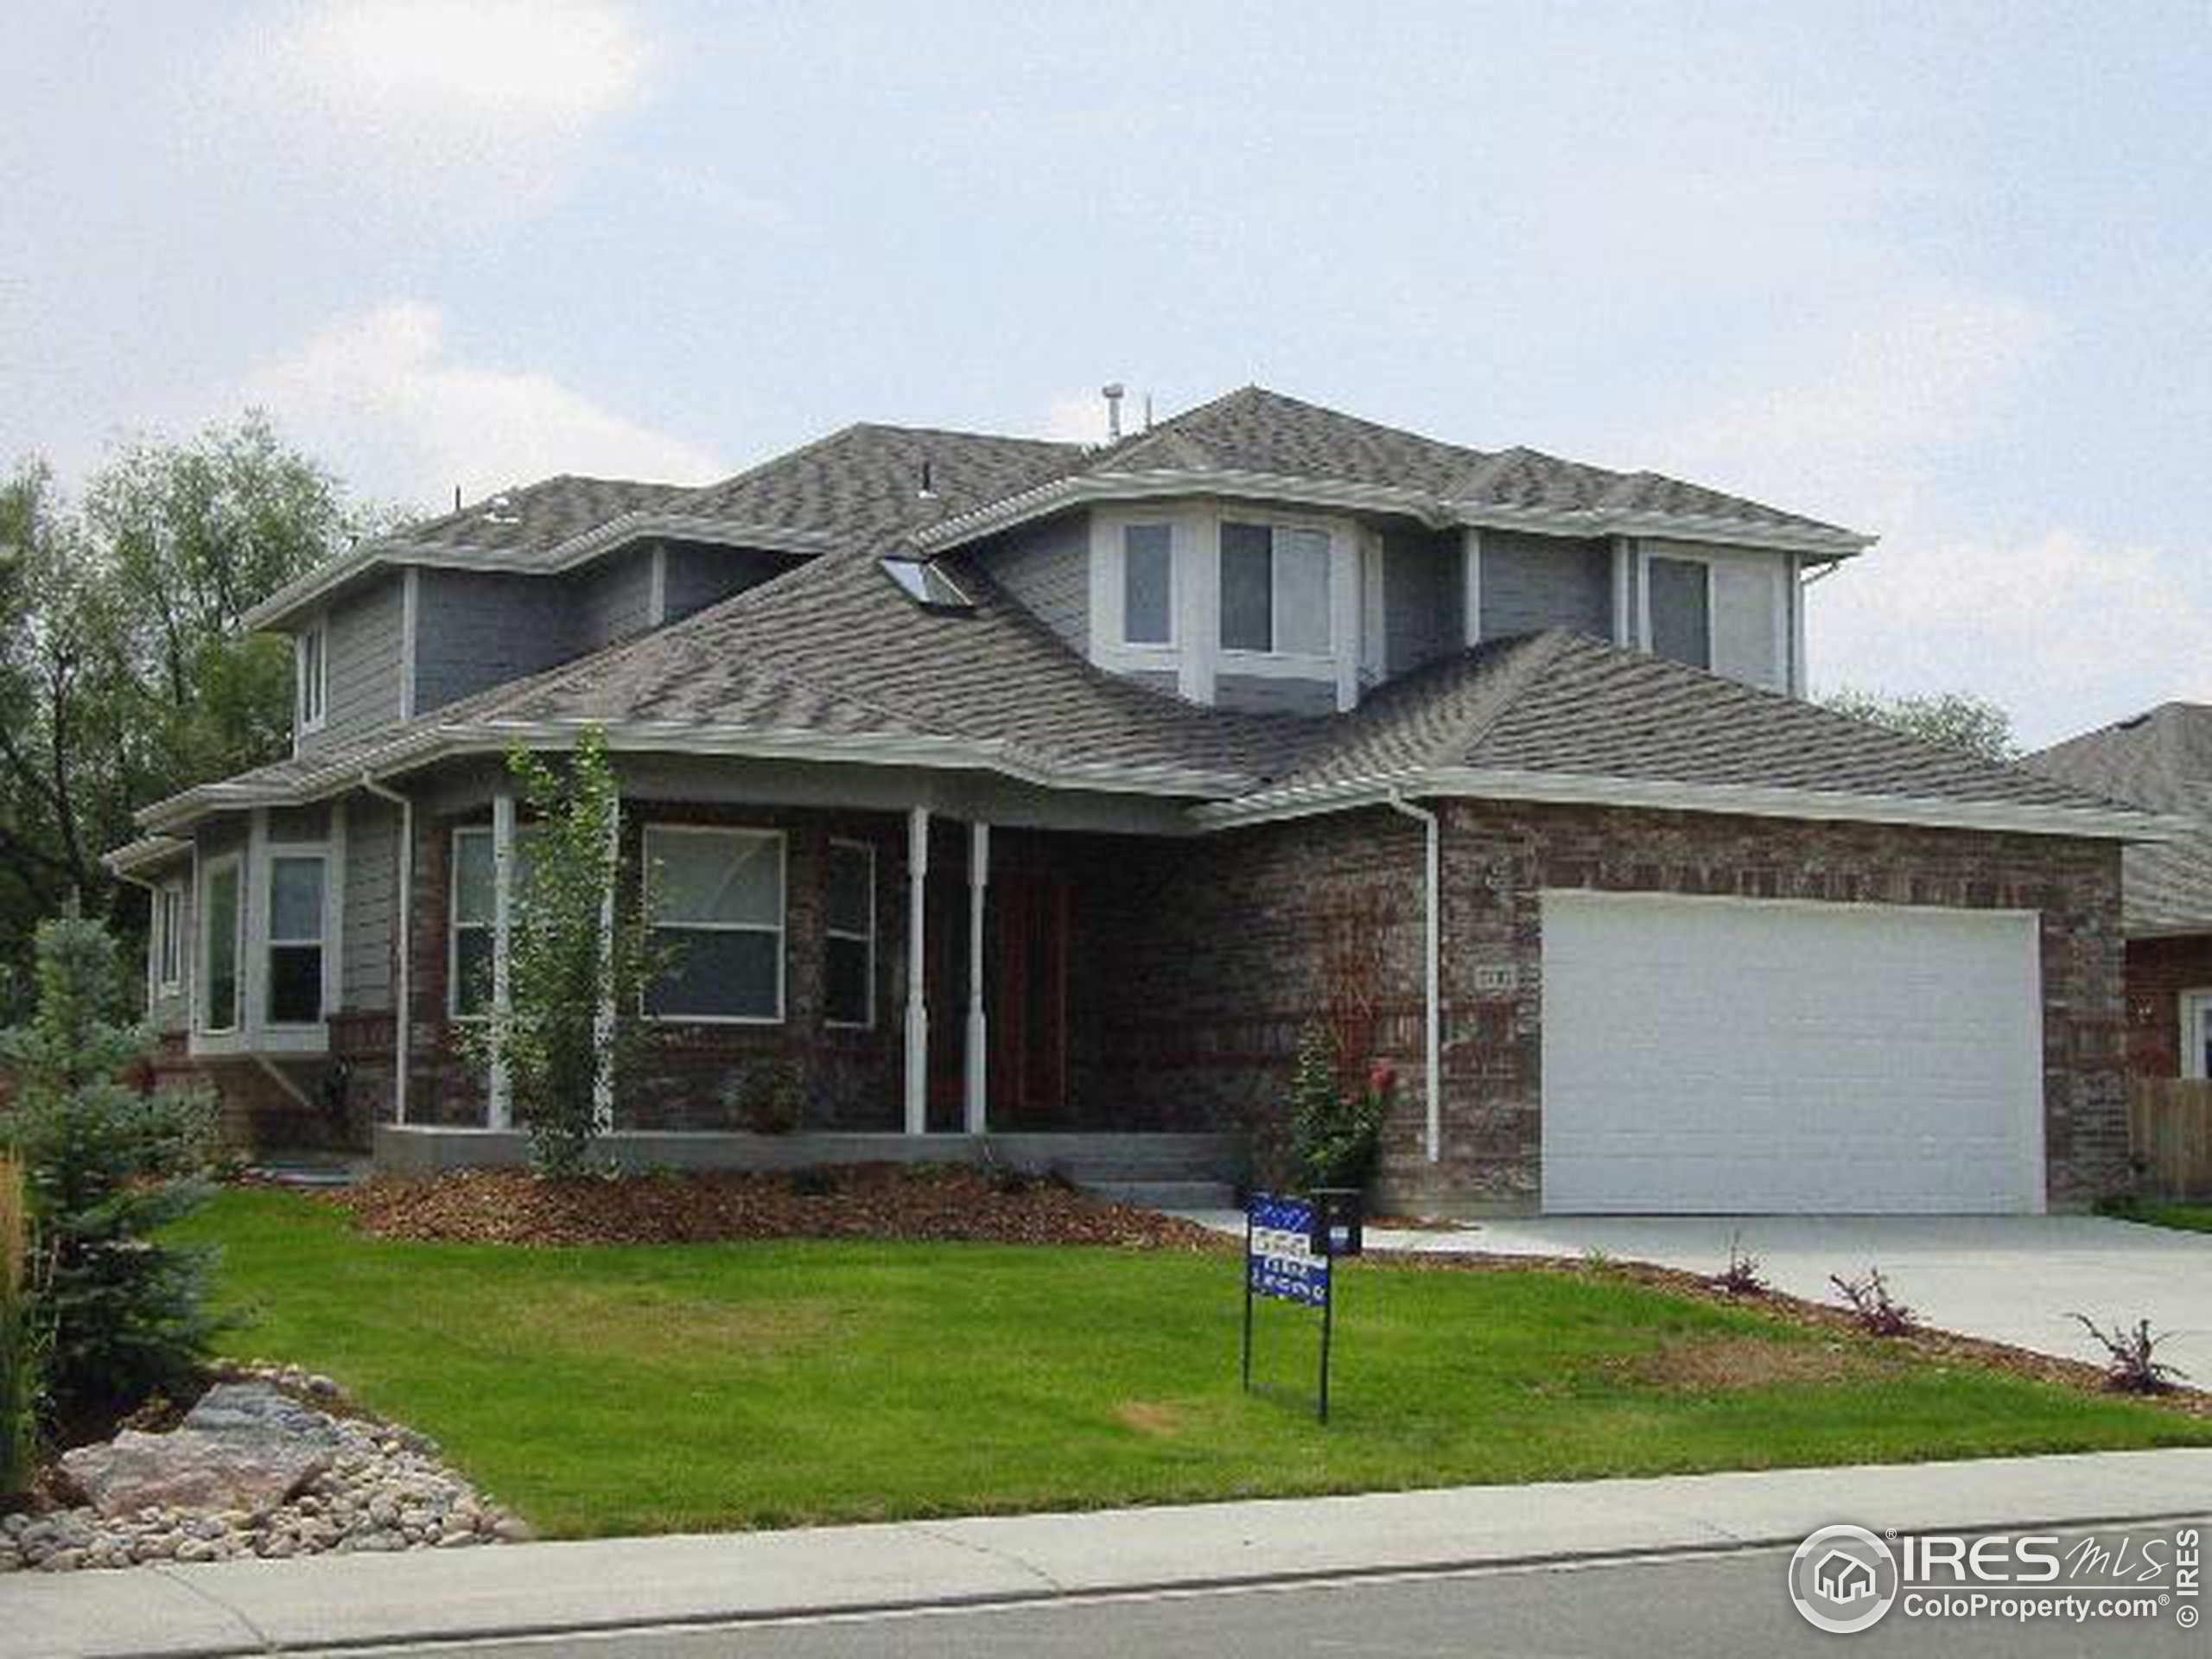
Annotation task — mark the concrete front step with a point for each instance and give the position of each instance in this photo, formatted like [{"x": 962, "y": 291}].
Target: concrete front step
[{"x": 1166, "y": 1195}]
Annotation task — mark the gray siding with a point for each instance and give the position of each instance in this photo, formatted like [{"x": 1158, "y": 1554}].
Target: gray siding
[
  {"x": 1424, "y": 599},
  {"x": 474, "y": 629},
  {"x": 1262, "y": 694},
  {"x": 699, "y": 576},
  {"x": 172, "y": 1011},
  {"x": 1047, "y": 570},
  {"x": 361, "y": 640},
  {"x": 372, "y": 879},
  {"x": 1534, "y": 582},
  {"x": 613, "y": 600}
]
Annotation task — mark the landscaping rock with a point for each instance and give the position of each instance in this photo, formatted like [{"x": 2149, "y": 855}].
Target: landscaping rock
[{"x": 191, "y": 1469}]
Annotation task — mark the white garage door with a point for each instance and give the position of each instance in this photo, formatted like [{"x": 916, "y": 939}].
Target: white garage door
[{"x": 1710, "y": 1056}]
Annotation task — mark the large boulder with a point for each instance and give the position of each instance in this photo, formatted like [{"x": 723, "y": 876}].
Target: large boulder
[{"x": 244, "y": 1446}]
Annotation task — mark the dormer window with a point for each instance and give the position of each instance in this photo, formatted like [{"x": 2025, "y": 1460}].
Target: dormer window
[
  {"x": 310, "y": 665},
  {"x": 928, "y": 585},
  {"x": 1681, "y": 610},
  {"x": 1274, "y": 589},
  {"x": 1148, "y": 585}
]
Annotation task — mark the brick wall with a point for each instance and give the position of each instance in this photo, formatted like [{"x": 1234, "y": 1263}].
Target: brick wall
[
  {"x": 1203, "y": 961},
  {"x": 2159, "y": 971}
]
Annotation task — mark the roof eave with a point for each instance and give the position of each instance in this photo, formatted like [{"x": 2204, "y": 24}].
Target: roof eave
[{"x": 1749, "y": 800}]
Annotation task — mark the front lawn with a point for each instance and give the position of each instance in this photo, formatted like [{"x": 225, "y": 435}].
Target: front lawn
[
  {"x": 646, "y": 1389},
  {"x": 2162, "y": 1212}
]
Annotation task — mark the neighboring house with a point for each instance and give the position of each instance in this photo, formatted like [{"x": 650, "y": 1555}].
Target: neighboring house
[
  {"x": 1017, "y": 786},
  {"x": 2162, "y": 760}
]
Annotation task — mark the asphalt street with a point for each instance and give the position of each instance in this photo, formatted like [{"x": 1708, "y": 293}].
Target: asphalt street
[{"x": 1714, "y": 1606}]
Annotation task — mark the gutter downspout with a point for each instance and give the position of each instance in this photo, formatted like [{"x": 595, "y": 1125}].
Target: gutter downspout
[
  {"x": 402, "y": 998},
  {"x": 1432, "y": 936}
]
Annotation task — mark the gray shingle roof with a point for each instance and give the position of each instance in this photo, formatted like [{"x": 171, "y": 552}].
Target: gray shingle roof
[
  {"x": 1565, "y": 702},
  {"x": 2162, "y": 760},
  {"x": 537, "y": 518}
]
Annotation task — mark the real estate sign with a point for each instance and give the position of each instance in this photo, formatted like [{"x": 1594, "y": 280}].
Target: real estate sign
[{"x": 1287, "y": 1258}]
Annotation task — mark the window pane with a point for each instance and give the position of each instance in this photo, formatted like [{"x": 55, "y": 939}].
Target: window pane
[
  {"x": 296, "y": 899},
  {"x": 845, "y": 994},
  {"x": 717, "y": 878},
  {"x": 721, "y": 975},
  {"x": 171, "y": 909},
  {"x": 1302, "y": 592},
  {"x": 1146, "y": 583},
  {"x": 1680, "y": 627},
  {"x": 848, "y": 904},
  {"x": 472, "y": 967},
  {"x": 1247, "y": 587},
  {"x": 218, "y": 928},
  {"x": 472, "y": 876},
  {"x": 295, "y": 984}
]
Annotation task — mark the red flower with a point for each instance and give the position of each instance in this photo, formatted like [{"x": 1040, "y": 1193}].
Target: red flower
[{"x": 1382, "y": 1077}]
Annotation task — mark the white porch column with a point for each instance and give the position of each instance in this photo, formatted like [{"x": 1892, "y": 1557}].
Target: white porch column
[
  {"x": 500, "y": 1112},
  {"x": 918, "y": 1012},
  {"x": 603, "y": 1083},
  {"x": 979, "y": 881}
]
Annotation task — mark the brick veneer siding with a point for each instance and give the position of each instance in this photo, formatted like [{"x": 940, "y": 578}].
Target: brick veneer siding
[
  {"x": 851, "y": 1077},
  {"x": 2159, "y": 971},
  {"x": 1212, "y": 959}
]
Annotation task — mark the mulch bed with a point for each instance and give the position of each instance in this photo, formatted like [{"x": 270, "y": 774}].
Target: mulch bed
[
  {"x": 1922, "y": 1342},
  {"x": 924, "y": 1203}
]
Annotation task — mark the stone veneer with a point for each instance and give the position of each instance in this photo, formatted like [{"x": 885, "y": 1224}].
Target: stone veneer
[{"x": 1208, "y": 961}]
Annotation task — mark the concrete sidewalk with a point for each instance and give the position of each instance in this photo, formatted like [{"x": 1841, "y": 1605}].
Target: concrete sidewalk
[{"x": 350, "y": 1600}]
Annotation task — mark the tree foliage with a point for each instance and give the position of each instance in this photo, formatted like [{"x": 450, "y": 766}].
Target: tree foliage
[
  {"x": 123, "y": 674},
  {"x": 576, "y": 987},
  {"x": 122, "y": 1315},
  {"x": 1952, "y": 720}
]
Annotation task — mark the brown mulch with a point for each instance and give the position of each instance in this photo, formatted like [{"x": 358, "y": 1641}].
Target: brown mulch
[
  {"x": 926, "y": 1203},
  {"x": 1922, "y": 1342}
]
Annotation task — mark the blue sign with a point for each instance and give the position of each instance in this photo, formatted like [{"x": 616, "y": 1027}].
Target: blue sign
[{"x": 1280, "y": 1259}]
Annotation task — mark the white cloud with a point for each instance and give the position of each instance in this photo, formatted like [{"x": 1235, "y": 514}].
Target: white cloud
[
  {"x": 455, "y": 98},
  {"x": 381, "y": 399},
  {"x": 1077, "y": 417}
]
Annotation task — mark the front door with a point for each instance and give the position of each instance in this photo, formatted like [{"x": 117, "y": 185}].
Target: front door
[{"x": 1024, "y": 995}]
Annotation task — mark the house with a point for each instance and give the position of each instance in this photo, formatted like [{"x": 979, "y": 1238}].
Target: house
[
  {"x": 1049, "y": 792},
  {"x": 2162, "y": 760},
  {"x": 1844, "y": 1577}
]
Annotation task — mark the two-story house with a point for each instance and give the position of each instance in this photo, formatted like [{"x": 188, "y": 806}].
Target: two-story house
[{"x": 1037, "y": 790}]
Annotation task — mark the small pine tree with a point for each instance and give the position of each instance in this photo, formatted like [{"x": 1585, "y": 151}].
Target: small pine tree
[
  {"x": 575, "y": 992},
  {"x": 122, "y": 1315}
]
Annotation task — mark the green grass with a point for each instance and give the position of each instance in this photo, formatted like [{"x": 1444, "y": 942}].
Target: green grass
[
  {"x": 2161, "y": 1213},
  {"x": 704, "y": 1386}
]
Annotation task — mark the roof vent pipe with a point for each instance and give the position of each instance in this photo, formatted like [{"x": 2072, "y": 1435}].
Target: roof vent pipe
[
  {"x": 928, "y": 491},
  {"x": 1112, "y": 393},
  {"x": 1148, "y": 412}
]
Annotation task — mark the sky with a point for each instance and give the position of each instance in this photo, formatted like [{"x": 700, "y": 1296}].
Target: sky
[{"x": 1937, "y": 272}]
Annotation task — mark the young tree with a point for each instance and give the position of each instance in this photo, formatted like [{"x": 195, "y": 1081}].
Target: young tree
[
  {"x": 1952, "y": 720},
  {"x": 575, "y": 985},
  {"x": 124, "y": 1314}
]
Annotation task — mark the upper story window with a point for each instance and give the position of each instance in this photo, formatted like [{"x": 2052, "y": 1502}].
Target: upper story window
[
  {"x": 714, "y": 898},
  {"x": 1274, "y": 589},
  {"x": 1148, "y": 585},
  {"x": 222, "y": 917},
  {"x": 295, "y": 975},
  {"x": 1680, "y": 596},
  {"x": 311, "y": 676}
]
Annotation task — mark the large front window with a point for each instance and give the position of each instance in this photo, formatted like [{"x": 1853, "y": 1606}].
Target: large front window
[
  {"x": 1274, "y": 589},
  {"x": 475, "y": 915},
  {"x": 295, "y": 977},
  {"x": 714, "y": 900},
  {"x": 220, "y": 915}
]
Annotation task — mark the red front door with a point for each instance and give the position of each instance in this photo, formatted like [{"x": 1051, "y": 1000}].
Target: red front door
[{"x": 1024, "y": 995}]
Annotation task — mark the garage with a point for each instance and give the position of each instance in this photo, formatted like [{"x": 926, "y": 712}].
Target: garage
[{"x": 1715, "y": 1056}]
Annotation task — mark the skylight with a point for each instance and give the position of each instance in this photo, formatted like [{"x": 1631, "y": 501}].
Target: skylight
[{"x": 928, "y": 585}]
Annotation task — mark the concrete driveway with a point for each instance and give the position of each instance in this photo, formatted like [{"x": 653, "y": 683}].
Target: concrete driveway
[{"x": 2011, "y": 1278}]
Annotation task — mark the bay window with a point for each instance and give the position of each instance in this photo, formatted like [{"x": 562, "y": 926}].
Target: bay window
[
  {"x": 222, "y": 914},
  {"x": 474, "y": 901},
  {"x": 1274, "y": 589},
  {"x": 1148, "y": 585},
  {"x": 169, "y": 938},
  {"x": 294, "y": 979},
  {"x": 715, "y": 902}
]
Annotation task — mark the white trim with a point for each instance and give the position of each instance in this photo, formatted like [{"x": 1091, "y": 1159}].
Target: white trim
[
  {"x": 1799, "y": 682},
  {"x": 654, "y": 830},
  {"x": 918, "y": 1015},
  {"x": 1745, "y": 800},
  {"x": 2194, "y": 1007},
  {"x": 1643, "y": 564},
  {"x": 866, "y": 1022},
  {"x": 1437, "y": 511},
  {"x": 169, "y": 944},
  {"x": 409, "y": 612},
  {"x": 311, "y": 688},
  {"x": 1471, "y": 576},
  {"x": 1624, "y": 556},
  {"x": 977, "y": 1077}
]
